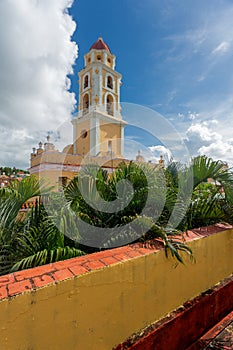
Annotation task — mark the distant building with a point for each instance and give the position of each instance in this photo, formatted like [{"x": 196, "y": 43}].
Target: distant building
[
  {"x": 98, "y": 127},
  {"x": 5, "y": 180}
]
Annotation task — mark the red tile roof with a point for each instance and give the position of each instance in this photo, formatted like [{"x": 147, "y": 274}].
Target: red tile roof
[{"x": 100, "y": 45}]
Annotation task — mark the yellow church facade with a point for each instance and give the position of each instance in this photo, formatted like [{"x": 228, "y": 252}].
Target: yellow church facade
[{"x": 98, "y": 127}]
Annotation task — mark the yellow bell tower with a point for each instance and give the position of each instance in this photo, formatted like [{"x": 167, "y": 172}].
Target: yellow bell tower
[{"x": 98, "y": 128}]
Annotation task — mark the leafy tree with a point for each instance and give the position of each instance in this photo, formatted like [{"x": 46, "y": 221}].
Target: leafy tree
[
  {"x": 136, "y": 202},
  {"x": 140, "y": 218},
  {"x": 210, "y": 202},
  {"x": 33, "y": 240}
]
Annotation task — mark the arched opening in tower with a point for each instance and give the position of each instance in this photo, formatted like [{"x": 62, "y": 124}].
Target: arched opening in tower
[
  {"x": 85, "y": 104},
  {"x": 86, "y": 82},
  {"x": 110, "y": 83},
  {"x": 110, "y": 104}
]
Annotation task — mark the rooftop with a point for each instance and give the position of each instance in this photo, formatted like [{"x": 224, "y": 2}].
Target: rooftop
[{"x": 100, "y": 45}]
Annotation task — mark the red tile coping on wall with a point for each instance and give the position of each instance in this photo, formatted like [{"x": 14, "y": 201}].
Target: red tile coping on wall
[
  {"x": 37, "y": 277},
  {"x": 184, "y": 327}
]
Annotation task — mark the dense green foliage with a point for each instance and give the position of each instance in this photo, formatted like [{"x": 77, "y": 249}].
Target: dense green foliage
[
  {"x": 12, "y": 171},
  {"x": 99, "y": 211},
  {"x": 31, "y": 240}
]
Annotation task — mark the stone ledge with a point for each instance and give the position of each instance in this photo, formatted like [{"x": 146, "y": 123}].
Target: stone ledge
[{"x": 41, "y": 276}]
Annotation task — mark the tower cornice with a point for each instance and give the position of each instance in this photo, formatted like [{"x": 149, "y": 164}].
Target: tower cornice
[
  {"x": 79, "y": 118},
  {"x": 99, "y": 65}
]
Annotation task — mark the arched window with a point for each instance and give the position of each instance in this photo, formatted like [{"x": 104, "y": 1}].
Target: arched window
[
  {"x": 110, "y": 104},
  {"x": 85, "y": 82},
  {"x": 85, "y": 104},
  {"x": 109, "y": 82}
]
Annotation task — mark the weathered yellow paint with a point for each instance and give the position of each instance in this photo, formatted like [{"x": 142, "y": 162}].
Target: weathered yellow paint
[
  {"x": 110, "y": 132},
  {"x": 55, "y": 158},
  {"x": 100, "y": 309},
  {"x": 83, "y": 144}
]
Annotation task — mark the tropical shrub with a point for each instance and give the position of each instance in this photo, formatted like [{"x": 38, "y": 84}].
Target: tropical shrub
[
  {"x": 97, "y": 210},
  {"x": 31, "y": 241}
]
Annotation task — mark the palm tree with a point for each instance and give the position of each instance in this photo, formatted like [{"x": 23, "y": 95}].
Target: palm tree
[
  {"x": 33, "y": 240},
  {"x": 136, "y": 202},
  {"x": 209, "y": 205},
  {"x": 133, "y": 196}
]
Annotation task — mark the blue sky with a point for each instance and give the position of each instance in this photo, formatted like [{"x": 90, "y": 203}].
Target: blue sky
[
  {"x": 175, "y": 58},
  {"x": 174, "y": 55}
]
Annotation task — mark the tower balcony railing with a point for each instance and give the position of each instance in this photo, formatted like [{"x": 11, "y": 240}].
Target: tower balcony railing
[{"x": 105, "y": 109}]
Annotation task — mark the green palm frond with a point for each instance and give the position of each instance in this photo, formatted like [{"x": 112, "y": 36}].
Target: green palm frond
[
  {"x": 205, "y": 168},
  {"x": 11, "y": 201},
  {"x": 45, "y": 257}
]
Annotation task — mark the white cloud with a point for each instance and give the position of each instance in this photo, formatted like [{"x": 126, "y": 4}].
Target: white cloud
[
  {"x": 203, "y": 132},
  {"x": 223, "y": 47},
  {"x": 159, "y": 150},
  {"x": 36, "y": 53},
  {"x": 222, "y": 150},
  {"x": 205, "y": 139}
]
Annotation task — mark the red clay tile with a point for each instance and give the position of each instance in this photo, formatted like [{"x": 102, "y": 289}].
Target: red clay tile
[
  {"x": 100, "y": 255},
  {"x": 134, "y": 253},
  {"x": 152, "y": 245},
  {"x": 70, "y": 262},
  {"x": 145, "y": 251},
  {"x": 62, "y": 275},
  {"x": 123, "y": 250},
  {"x": 109, "y": 260},
  {"x": 42, "y": 280},
  {"x": 94, "y": 265},
  {"x": 19, "y": 287},
  {"x": 36, "y": 271},
  {"x": 3, "y": 292},
  {"x": 78, "y": 269},
  {"x": 4, "y": 280},
  {"x": 121, "y": 257}
]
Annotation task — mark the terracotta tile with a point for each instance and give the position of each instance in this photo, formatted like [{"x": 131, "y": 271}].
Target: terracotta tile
[
  {"x": 42, "y": 280},
  {"x": 36, "y": 271},
  {"x": 78, "y": 269},
  {"x": 134, "y": 253},
  {"x": 4, "y": 280},
  {"x": 122, "y": 257},
  {"x": 70, "y": 262},
  {"x": 62, "y": 275},
  {"x": 19, "y": 287},
  {"x": 94, "y": 265},
  {"x": 3, "y": 292},
  {"x": 109, "y": 260}
]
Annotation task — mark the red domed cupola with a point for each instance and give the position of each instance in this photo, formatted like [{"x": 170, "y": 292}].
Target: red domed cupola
[{"x": 100, "y": 45}]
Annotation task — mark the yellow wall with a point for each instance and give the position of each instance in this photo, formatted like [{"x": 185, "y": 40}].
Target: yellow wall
[
  {"x": 55, "y": 158},
  {"x": 51, "y": 176},
  {"x": 98, "y": 310},
  {"x": 83, "y": 144},
  {"x": 110, "y": 132},
  {"x": 61, "y": 159}
]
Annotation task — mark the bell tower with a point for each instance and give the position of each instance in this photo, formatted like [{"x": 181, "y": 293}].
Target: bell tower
[{"x": 98, "y": 127}]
